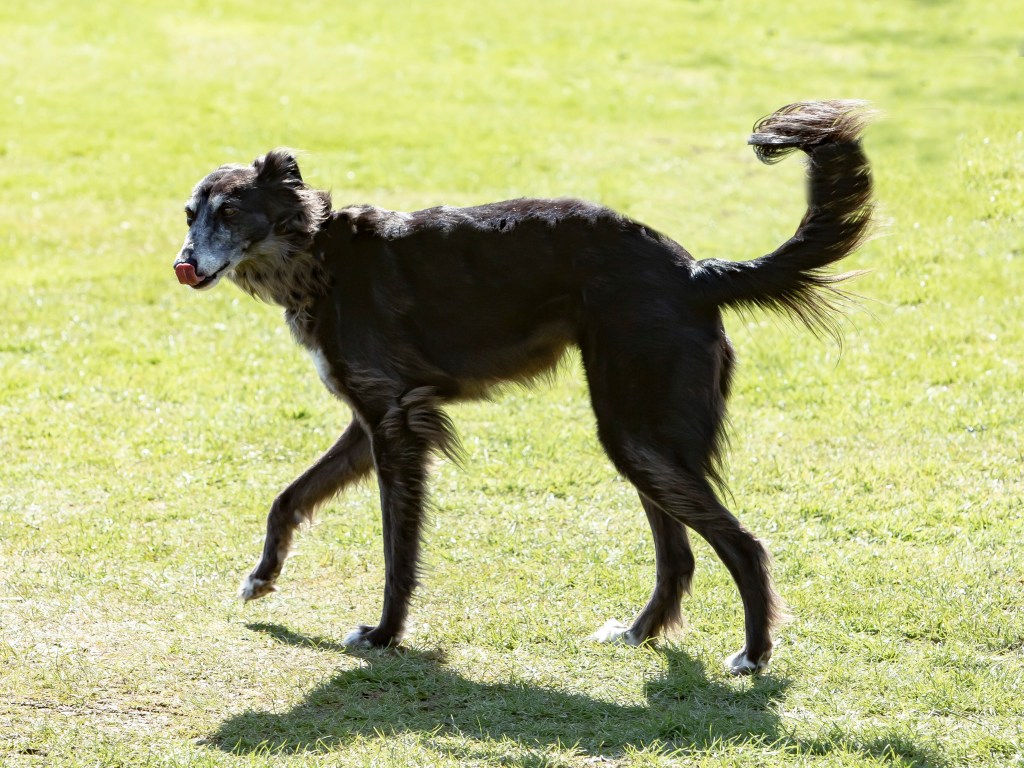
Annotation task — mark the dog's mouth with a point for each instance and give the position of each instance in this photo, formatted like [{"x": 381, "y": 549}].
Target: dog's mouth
[{"x": 187, "y": 275}]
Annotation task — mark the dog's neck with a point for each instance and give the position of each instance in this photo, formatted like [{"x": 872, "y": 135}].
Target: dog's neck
[
  {"x": 283, "y": 270},
  {"x": 279, "y": 275}
]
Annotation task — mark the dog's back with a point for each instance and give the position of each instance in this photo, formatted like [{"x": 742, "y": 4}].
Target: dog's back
[{"x": 490, "y": 293}]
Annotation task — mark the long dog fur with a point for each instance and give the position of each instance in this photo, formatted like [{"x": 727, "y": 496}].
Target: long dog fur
[{"x": 405, "y": 312}]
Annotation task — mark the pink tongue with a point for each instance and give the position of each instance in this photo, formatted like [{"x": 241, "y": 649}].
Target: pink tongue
[{"x": 186, "y": 274}]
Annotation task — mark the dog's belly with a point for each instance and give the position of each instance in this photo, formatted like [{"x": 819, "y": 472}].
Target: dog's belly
[
  {"x": 488, "y": 348},
  {"x": 490, "y": 316}
]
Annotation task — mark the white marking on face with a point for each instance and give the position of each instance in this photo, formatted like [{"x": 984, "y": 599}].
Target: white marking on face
[
  {"x": 215, "y": 202},
  {"x": 214, "y": 250}
]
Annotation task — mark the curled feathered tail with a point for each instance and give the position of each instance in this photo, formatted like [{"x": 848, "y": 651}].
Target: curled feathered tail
[{"x": 792, "y": 277}]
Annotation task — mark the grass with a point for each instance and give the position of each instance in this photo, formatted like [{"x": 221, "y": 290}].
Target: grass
[{"x": 145, "y": 429}]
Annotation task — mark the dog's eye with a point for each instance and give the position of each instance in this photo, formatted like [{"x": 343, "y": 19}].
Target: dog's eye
[
  {"x": 189, "y": 217},
  {"x": 227, "y": 211}
]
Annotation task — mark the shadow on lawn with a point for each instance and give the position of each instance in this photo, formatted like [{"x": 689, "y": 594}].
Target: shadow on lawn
[{"x": 409, "y": 691}]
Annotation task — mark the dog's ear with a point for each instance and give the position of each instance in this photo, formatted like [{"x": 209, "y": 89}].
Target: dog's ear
[
  {"x": 278, "y": 166},
  {"x": 295, "y": 210}
]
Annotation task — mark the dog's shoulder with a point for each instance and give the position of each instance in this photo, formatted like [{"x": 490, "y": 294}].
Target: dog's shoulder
[{"x": 343, "y": 226}]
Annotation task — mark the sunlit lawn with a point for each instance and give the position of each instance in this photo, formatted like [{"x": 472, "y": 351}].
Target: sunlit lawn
[{"x": 144, "y": 429}]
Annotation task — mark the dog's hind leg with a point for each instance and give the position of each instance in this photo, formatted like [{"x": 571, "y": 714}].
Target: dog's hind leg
[
  {"x": 687, "y": 496},
  {"x": 348, "y": 460},
  {"x": 744, "y": 556},
  {"x": 674, "y": 565},
  {"x": 660, "y": 402}
]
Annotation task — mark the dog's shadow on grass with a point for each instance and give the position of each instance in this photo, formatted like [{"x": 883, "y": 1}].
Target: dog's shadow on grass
[{"x": 410, "y": 691}]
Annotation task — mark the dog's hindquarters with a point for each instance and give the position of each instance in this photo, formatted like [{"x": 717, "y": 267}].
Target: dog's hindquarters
[{"x": 659, "y": 384}]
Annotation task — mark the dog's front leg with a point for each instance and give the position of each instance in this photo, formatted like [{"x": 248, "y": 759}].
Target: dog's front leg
[
  {"x": 401, "y": 444},
  {"x": 348, "y": 460},
  {"x": 401, "y": 474}
]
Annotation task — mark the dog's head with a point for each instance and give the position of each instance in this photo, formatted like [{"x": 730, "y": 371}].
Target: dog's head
[{"x": 242, "y": 212}]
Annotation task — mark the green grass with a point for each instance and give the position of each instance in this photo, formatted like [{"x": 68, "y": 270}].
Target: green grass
[{"x": 145, "y": 429}]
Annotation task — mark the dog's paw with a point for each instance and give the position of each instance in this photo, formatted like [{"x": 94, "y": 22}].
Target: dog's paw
[
  {"x": 253, "y": 588},
  {"x": 614, "y": 632},
  {"x": 741, "y": 664},
  {"x": 367, "y": 637},
  {"x": 357, "y": 638}
]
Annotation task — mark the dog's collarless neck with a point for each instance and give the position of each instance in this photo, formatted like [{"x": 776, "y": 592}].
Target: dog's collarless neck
[{"x": 292, "y": 280}]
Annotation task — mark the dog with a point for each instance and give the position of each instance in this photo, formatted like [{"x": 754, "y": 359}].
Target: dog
[{"x": 403, "y": 313}]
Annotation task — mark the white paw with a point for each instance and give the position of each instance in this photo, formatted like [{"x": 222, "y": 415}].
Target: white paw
[
  {"x": 614, "y": 632},
  {"x": 255, "y": 588},
  {"x": 356, "y": 638},
  {"x": 739, "y": 664}
]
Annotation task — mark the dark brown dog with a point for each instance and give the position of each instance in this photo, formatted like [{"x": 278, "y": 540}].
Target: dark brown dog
[{"x": 404, "y": 312}]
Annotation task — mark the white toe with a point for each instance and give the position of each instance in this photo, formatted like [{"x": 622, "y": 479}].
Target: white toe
[
  {"x": 739, "y": 664},
  {"x": 614, "y": 632},
  {"x": 356, "y": 639},
  {"x": 255, "y": 588}
]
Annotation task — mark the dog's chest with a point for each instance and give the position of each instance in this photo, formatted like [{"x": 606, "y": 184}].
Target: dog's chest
[
  {"x": 324, "y": 371},
  {"x": 302, "y": 331}
]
